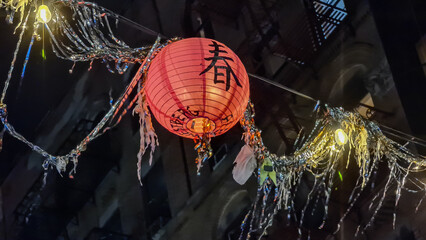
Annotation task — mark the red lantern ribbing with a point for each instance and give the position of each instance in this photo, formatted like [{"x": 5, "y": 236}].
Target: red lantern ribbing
[{"x": 197, "y": 87}]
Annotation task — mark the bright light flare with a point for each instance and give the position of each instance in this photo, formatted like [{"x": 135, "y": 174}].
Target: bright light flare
[
  {"x": 340, "y": 137},
  {"x": 43, "y": 14}
]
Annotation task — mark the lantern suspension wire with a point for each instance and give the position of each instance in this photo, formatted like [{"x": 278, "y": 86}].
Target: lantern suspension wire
[
  {"x": 385, "y": 129},
  {"x": 408, "y": 139},
  {"x": 157, "y": 34},
  {"x": 402, "y": 133},
  {"x": 151, "y": 32},
  {"x": 282, "y": 87},
  {"x": 142, "y": 28},
  {"x": 137, "y": 25}
]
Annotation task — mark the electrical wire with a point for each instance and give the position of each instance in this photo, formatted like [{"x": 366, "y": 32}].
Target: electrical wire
[
  {"x": 149, "y": 31},
  {"x": 282, "y": 87},
  {"x": 121, "y": 18},
  {"x": 387, "y": 130},
  {"x": 144, "y": 29}
]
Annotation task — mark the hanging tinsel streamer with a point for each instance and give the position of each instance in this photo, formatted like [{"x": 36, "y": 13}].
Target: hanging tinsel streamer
[
  {"x": 15, "y": 6},
  {"x": 87, "y": 43},
  {"x": 319, "y": 156},
  {"x": 148, "y": 137},
  {"x": 12, "y": 65},
  {"x": 61, "y": 162},
  {"x": 88, "y": 36},
  {"x": 1, "y": 137}
]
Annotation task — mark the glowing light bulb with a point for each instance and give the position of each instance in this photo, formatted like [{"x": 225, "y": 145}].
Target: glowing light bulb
[
  {"x": 340, "y": 137},
  {"x": 201, "y": 125},
  {"x": 43, "y": 14}
]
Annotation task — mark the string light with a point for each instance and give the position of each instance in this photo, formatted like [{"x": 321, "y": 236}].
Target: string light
[
  {"x": 43, "y": 14},
  {"x": 340, "y": 137}
]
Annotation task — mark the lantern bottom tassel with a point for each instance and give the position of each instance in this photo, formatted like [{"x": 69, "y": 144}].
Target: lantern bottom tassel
[{"x": 204, "y": 150}]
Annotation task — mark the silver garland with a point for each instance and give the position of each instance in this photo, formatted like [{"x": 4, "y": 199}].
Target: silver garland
[
  {"x": 86, "y": 41},
  {"x": 88, "y": 36},
  {"x": 319, "y": 155}
]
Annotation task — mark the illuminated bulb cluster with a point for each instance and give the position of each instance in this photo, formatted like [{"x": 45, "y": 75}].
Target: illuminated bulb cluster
[
  {"x": 340, "y": 137},
  {"x": 43, "y": 14}
]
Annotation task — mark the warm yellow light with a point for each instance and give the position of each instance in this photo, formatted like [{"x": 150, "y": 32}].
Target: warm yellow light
[
  {"x": 43, "y": 14},
  {"x": 340, "y": 137},
  {"x": 201, "y": 125}
]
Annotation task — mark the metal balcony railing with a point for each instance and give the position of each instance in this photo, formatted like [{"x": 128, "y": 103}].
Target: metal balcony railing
[
  {"x": 329, "y": 14},
  {"x": 311, "y": 30}
]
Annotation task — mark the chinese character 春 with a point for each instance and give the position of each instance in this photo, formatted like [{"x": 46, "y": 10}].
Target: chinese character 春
[{"x": 214, "y": 60}]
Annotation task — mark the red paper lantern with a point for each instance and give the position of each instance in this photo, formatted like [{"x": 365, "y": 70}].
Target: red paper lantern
[{"x": 197, "y": 86}]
